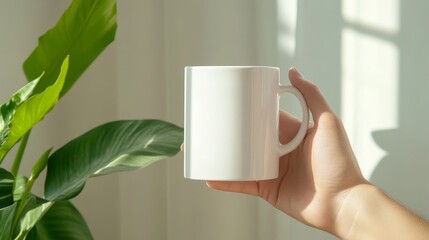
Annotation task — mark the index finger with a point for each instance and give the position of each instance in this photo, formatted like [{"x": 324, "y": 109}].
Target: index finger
[{"x": 315, "y": 100}]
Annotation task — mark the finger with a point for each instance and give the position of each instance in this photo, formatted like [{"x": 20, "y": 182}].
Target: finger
[
  {"x": 288, "y": 126},
  {"x": 182, "y": 147},
  {"x": 315, "y": 100},
  {"x": 247, "y": 187}
]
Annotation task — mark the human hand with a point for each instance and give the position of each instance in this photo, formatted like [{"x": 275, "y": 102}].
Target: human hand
[
  {"x": 314, "y": 179},
  {"x": 321, "y": 185}
]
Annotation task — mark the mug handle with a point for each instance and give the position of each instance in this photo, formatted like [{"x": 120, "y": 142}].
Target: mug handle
[{"x": 294, "y": 143}]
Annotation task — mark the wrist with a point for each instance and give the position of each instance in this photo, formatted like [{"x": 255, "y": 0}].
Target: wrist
[
  {"x": 367, "y": 213},
  {"x": 354, "y": 204}
]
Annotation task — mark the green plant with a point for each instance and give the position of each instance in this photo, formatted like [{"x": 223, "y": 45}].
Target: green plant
[{"x": 85, "y": 29}]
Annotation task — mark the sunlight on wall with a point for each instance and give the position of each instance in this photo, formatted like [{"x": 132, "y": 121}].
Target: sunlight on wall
[
  {"x": 381, "y": 15},
  {"x": 286, "y": 16},
  {"x": 369, "y": 76}
]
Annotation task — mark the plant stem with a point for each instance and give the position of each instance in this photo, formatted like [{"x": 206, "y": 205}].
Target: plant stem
[
  {"x": 20, "y": 154},
  {"x": 22, "y": 203},
  {"x": 37, "y": 169}
]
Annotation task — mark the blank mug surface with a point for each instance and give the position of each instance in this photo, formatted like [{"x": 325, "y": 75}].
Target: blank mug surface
[{"x": 231, "y": 123}]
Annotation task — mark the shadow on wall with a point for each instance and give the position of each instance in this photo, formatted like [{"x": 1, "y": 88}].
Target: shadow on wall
[{"x": 404, "y": 172}]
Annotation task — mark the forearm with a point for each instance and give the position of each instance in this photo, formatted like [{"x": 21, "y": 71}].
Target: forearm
[{"x": 369, "y": 214}]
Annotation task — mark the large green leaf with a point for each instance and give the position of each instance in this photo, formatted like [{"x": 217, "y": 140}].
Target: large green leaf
[
  {"x": 83, "y": 32},
  {"x": 8, "y": 109},
  {"x": 6, "y": 188},
  {"x": 6, "y": 219},
  {"x": 34, "y": 210},
  {"x": 112, "y": 147},
  {"x": 31, "y": 111},
  {"x": 62, "y": 221}
]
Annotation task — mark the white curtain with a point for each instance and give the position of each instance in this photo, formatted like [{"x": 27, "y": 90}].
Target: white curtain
[{"x": 368, "y": 57}]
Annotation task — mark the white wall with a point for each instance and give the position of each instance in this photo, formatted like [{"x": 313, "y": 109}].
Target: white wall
[{"x": 370, "y": 63}]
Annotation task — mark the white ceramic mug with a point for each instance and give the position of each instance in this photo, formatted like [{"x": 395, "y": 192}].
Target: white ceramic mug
[{"x": 231, "y": 122}]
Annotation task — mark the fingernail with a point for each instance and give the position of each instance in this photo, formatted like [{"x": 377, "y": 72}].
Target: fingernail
[{"x": 293, "y": 68}]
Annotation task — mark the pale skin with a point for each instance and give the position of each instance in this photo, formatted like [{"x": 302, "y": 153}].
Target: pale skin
[{"x": 321, "y": 185}]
